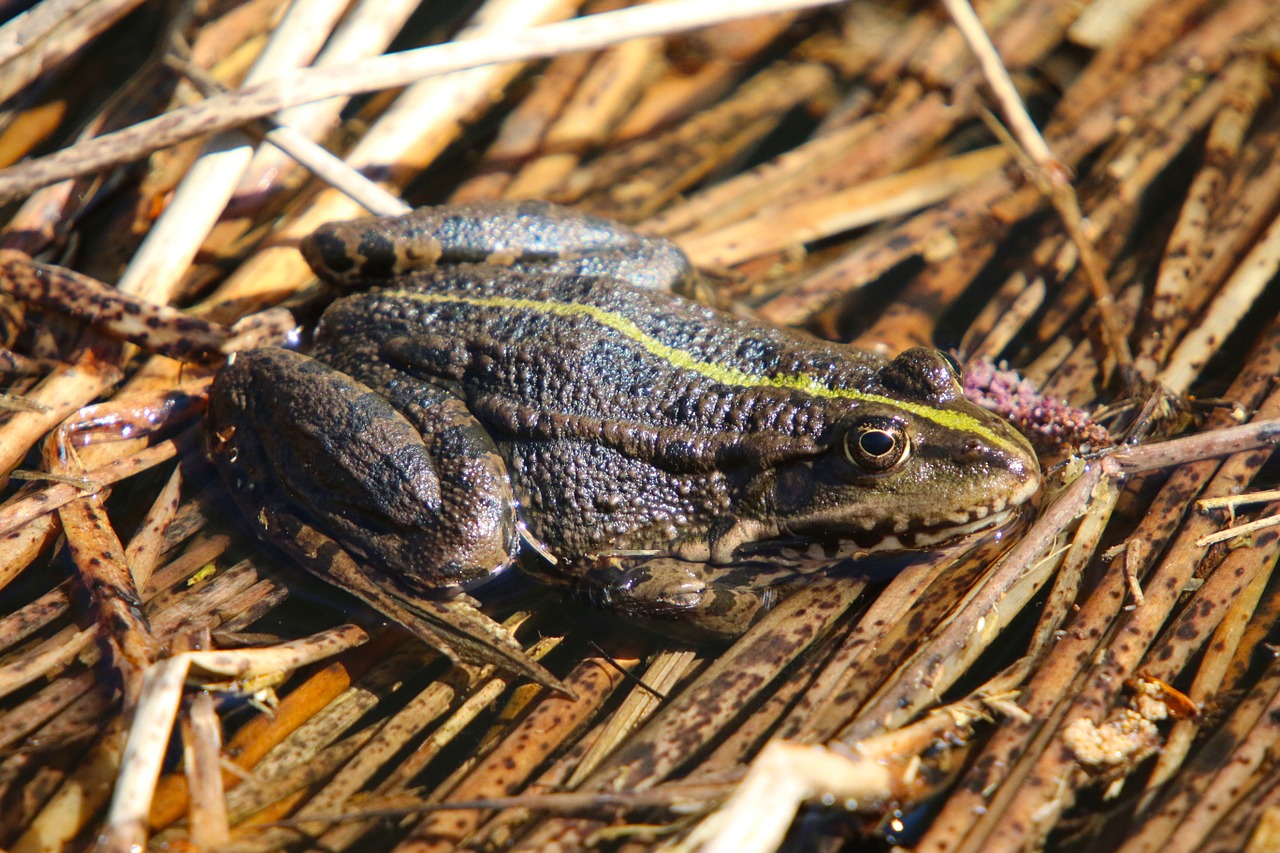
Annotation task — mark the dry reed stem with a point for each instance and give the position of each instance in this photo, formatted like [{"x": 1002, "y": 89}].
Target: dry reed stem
[
  {"x": 256, "y": 738},
  {"x": 1050, "y": 172},
  {"x": 1047, "y": 695},
  {"x": 1043, "y": 796},
  {"x": 633, "y": 181},
  {"x": 664, "y": 672},
  {"x": 17, "y": 513},
  {"x": 1220, "y": 648},
  {"x": 58, "y": 34},
  {"x": 126, "y": 823},
  {"x": 531, "y": 741},
  {"x": 163, "y": 257},
  {"x": 725, "y": 52},
  {"x": 1173, "y": 824},
  {"x": 1184, "y": 255},
  {"x": 366, "y": 30},
  {"x": 869, "y": 202},
  {"x": 147, "y": 545},
  {"x": 1235, "y": 298},
  {"x": 202, "y": 747},
  {"x": 397, "y": 146},
  {"x": 521, "y": 136},
  {"x": 599, "y": 100},
  {"x": 872, "y": 650},
  {"x": 384, "y": 72},
  {"x": 30, "y": 26}
]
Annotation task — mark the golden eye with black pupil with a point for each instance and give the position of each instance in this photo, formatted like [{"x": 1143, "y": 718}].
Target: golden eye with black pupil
[{"x": 876, "y": 444}]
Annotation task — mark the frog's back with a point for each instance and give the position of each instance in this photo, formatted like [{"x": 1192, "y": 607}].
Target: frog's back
[
  {"x": 632, "y": 419},
  {"x": 578, "y": 347}
]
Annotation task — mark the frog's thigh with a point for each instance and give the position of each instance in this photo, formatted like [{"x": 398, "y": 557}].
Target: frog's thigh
[
  {"x": 429, "y": 501},
  {"x": 720, "y": 601}
]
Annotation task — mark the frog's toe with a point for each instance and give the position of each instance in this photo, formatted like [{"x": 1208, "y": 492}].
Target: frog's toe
[{"x": 699, "y": 601}]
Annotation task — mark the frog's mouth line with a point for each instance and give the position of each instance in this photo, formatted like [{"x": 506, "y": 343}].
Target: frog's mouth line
[
  {"x": 913, "y": 536},
  {"x": 924, "y": 538}
]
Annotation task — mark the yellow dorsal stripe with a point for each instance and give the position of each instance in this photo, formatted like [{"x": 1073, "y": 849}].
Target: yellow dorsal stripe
[{"x": 947, "y": 418}]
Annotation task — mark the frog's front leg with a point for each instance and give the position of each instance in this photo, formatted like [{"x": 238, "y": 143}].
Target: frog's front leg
[
  {"x": 706, "y": 601},
  {"x": 532, "y": 236},
  {"x": 428, "y": 501}
]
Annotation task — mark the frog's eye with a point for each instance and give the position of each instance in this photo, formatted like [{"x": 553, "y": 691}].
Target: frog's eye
[
  {"x": 953, "y": 364},
  {"x": 876, "y": 444}
]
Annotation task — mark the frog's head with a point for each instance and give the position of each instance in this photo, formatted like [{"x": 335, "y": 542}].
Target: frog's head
[{"x": 912, "y": 464}]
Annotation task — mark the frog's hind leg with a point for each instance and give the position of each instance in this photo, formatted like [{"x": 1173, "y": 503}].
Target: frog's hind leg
[
  {"x": 432, "y": 508},
  {"x": 532, "y": 236},
  {"x": 391, "y": 511}
]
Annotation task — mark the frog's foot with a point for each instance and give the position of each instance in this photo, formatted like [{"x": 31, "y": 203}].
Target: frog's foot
[
  {"x": 454, "y": 626},
  {"x": 711, "y": 602}
]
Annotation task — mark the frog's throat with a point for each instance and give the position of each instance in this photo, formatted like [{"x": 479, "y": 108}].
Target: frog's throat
[{"x": 946, "y": 418}]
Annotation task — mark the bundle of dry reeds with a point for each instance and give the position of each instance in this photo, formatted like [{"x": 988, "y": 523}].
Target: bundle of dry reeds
[{"x": 1100, "y": 680}]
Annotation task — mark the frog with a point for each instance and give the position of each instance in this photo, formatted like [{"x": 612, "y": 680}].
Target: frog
[{"x": 502, "y": 377}]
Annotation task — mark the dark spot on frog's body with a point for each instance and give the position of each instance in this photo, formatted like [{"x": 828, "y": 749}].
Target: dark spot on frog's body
[
  {"x": 328, "y": 249},
  {"x": 378, "y": 255}
]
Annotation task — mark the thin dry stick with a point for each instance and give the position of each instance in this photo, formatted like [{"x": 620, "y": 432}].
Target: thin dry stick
[
  {"x": 99, "y": 556},
  {"x": 1185, "y": 254},
  {"x": 520, "y": 752},
  {"x": 810, "y": 220},
  {"x": 153, "y": 722},
  {"x": 202, "y": 745},
  {"x": 735, "y": 198},
  {"x": 157, "y": 267},
  {"x": 602, "y": 97},
  {"x": 1049, "y": 168},
  {"x": 24, "y": 30},
  {"x": 1221, "y": 648},
  {"x": 60, "y": 39},
  {"x": 19, "y": 512},
  {"x": 1231, "y": 304},
  {"x": 384, "y": 72},
  {"x": 1239, "y": 530},
  {"x": 1232, "y": 501},
  {"x": 145, "y": 548},
  {"x": 366, "y": 30},
  {"x": 422, "y": 122}
]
